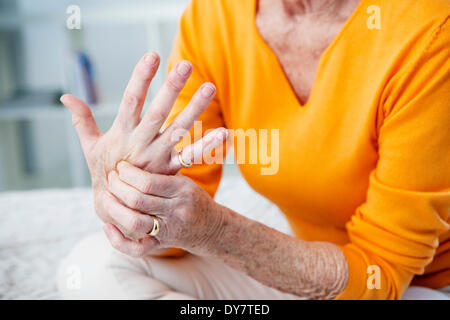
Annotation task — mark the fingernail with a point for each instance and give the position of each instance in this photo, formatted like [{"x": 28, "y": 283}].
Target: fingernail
[
  {"x": 183, "y": 68},
  {"x": 207, "y": 90},
  {"x": 150, "y": 58}
]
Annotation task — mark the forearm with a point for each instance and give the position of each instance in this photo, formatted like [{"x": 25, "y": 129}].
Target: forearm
[{"x": 316, "y": 270}]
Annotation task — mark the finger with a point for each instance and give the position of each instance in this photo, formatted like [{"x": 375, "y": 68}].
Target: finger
[
  {"x": 148, "y": 183},
  {"x": 133, "y": 198},
  {"x": 82, "y": 120},
  {"x": 133, "y": 99},
  {"x": 185, "y": 120},
  {"x": 161, "y": 105},
  {"x": 132, "y": 221},
  {"x": 196, "y": 150},
  {"x": 127, "y": 246}
]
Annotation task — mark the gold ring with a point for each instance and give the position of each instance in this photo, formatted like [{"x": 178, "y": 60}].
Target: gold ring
[
  {"x": 184, "y": 164},
  {"x": 155, "y": 229}
]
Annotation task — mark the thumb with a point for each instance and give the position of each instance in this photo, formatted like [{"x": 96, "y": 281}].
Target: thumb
[{"x": 82, "y": 120}]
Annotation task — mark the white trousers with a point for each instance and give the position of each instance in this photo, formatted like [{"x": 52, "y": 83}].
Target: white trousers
[{"x": 94, "y": 270}]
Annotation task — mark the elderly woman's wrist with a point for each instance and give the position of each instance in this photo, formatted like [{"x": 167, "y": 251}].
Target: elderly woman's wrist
[{"x": 220, "y": 226}]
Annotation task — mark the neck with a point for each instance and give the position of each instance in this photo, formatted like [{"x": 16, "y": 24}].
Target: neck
[{"x": 318, "y": 7}]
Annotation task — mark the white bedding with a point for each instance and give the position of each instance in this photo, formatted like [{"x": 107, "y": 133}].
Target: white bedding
[{"x": 37, "y": 228}]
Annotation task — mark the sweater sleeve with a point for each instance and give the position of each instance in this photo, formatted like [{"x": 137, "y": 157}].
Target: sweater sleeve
[
  {"x": 187, "y": 47},
  {"x": 395, "y": 233}
]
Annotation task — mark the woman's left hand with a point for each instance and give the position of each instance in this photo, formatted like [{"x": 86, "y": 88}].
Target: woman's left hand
[{"x": 189, "y": 218}]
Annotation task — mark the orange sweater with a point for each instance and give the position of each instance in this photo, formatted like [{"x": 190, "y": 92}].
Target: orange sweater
[{"x": 365, "y": 163}]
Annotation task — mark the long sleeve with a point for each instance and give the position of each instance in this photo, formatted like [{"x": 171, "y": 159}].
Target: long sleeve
[{"x": 407, "y": 209}]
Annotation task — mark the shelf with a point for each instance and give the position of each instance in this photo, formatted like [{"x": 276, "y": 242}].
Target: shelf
[
  {"x": 93, "y": 15},
  {"x": 135, "y": 14},
  {"x": 50, "y": 112}
]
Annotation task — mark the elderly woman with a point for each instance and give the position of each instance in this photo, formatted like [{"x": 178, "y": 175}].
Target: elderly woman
[{"x": 359, "y": 91}]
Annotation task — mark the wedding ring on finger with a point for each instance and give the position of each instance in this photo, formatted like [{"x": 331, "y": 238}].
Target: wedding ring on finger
[
  {"x": 183, "y": 164},
  {"x": 156, "y": 227}
]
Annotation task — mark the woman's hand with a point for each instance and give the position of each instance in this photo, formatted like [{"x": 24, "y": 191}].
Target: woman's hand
[
  {"x": 190, "y": 219},
  {"x": 139, "y": 141},
  {"x": 188, "y": 216}
]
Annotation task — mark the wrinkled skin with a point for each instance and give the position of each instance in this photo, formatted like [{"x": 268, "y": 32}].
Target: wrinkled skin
[
  {"x": 188, "y": 216},
  {"x": 140, "y": 141}
]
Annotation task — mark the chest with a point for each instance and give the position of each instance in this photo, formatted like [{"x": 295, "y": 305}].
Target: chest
[
  {"x": 298, "y": 46},
  {"x": 312, "y": 161}
]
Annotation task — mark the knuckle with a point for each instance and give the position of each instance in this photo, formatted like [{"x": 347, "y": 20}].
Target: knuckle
[
  {"x": 175, "y": 133},
  {"x": 134, "y": 224},
  {"x": 178, "y": 129},
  {"x": 135, "y": 201},
  {"x": 184, "y": 214},
  {"x": 157, "y": 117},
  {"x": 131, "y": 100},
  {"x": 147, "y": 186},
  {"x": 76, "y": 121},
  {"x": 187, "y": 182},
  {"x": 174, "y": 84},
  {"x": 188, "y": 191},
  {"x": 170, "y": 169}
]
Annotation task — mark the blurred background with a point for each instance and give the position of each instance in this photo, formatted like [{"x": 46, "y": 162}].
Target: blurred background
[{"x": 43, "y": 54}]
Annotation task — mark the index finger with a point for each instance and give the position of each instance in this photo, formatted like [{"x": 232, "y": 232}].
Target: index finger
[{"x": 148, "y": 183}]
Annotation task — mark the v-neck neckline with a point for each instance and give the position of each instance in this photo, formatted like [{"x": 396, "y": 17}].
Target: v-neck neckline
[{"x": 320, "y": 65}]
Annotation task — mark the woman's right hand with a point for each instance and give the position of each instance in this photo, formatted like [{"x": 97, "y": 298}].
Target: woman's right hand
[{"x": 140, "y": 141}]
